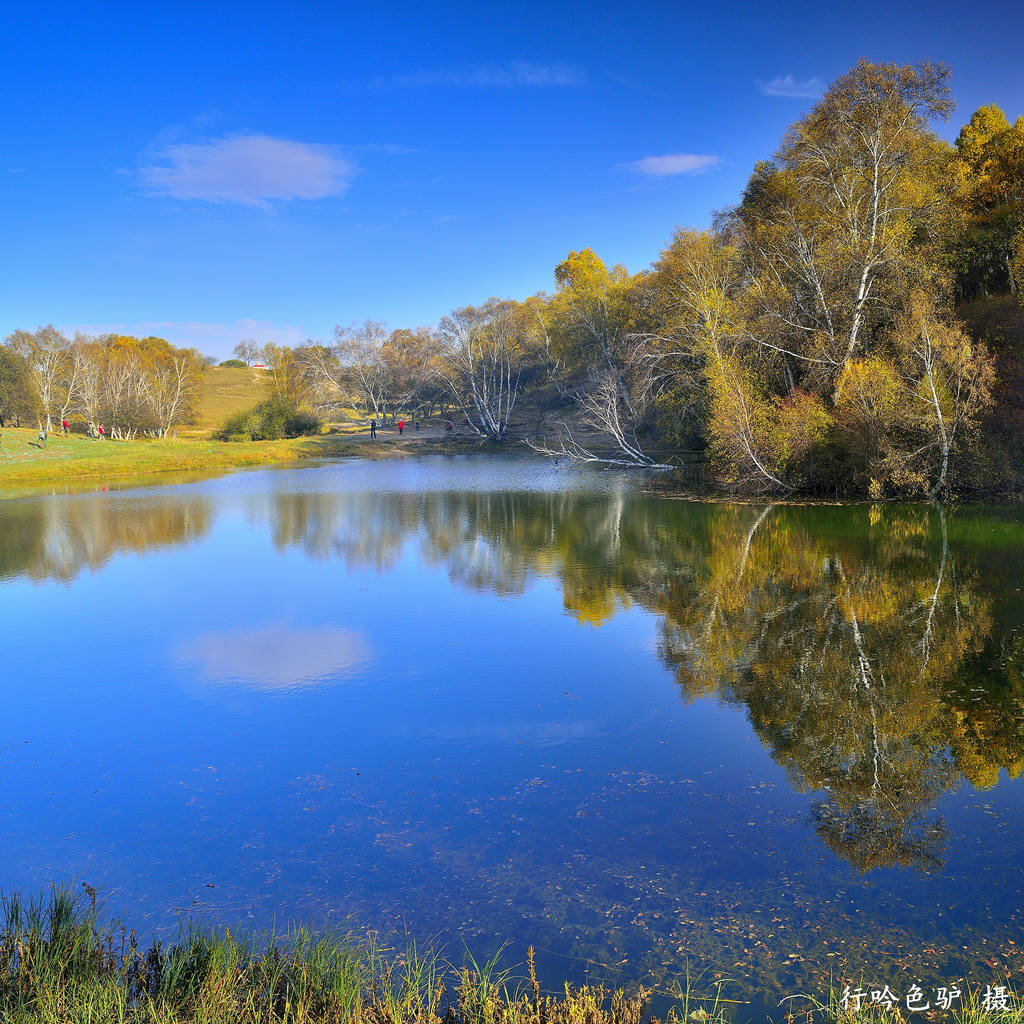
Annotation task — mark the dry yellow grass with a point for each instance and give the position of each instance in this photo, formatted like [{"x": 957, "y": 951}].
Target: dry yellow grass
[{"x": 227, "y": 390}]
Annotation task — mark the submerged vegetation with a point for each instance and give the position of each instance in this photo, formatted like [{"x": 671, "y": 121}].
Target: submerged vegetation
[
  {"x": 851, "y": 327},
  {"x": 61, "y": 962}
]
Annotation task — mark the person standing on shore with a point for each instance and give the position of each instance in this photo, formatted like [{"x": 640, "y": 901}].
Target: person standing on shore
[
  {"x": 373, "y": 429},
  {"x": 401, "y": 425}
]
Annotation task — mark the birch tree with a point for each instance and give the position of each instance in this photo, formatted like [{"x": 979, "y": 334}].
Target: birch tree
[
  {"x": 285, "y": 371},
  {"x": 90, "y": 392},
  {"x": 840, "y": 225},
  {"x": 592, "y": 321},
  {"x": 73, "y": 369},
  {"x": 699, "y": 335},
  {"x": 589, "y": 334},
  {"x": 248, "y": 351},
  {"x": 124, "y": 387},
  {"x": 47, "y": 353},
  {"x": 483, "y": 356},
  {"x": 171, "y": 386},
  {"x": 372, "y": 371}
]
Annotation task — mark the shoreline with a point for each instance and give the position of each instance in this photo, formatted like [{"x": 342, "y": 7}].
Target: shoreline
[
  {"x": 62, "y": 960},
  {"x": 66, "y": 460}
]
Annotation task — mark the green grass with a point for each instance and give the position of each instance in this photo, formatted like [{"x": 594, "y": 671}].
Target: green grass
[
  {"x": 60, "y": 962},
  {"x": 78, "y": 460}
]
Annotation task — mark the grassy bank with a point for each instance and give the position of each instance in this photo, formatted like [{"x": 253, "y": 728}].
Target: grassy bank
[
  {"x": 60, "y": 962},
  {"x": 76, "y": 458},
  {"x": 69, "y": 460},
  {"x": 224, "y": 392}
]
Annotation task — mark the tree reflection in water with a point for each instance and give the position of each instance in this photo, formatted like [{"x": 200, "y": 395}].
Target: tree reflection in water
[
  {"x": 853, "y": 637},
  {"x": 59, "y": 538},
  {"x": 863, "y": 643}
]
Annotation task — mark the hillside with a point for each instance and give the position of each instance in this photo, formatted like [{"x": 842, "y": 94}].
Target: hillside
[{"x": 224, "y": 391}]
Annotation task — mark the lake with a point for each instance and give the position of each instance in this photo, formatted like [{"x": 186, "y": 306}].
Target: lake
[{"x": 485, "y": 699}]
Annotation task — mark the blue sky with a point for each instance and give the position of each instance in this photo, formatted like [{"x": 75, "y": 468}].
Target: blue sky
[{"x": 210, "y": 172}]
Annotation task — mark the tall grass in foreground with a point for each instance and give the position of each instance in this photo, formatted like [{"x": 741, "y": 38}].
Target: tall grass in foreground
[{"x": 60, "y": 963}]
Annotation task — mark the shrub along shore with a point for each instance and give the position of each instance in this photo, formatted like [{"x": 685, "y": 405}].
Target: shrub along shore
[{"x": 60, "y": 961}]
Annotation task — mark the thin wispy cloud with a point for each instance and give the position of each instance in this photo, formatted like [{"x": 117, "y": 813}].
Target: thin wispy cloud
[
  {"x": 791, "y": 88},
  {"x": 249, "y": 169},
  {"x": 674, "y": 163},
  {"x": 211, "y": 337},
  {"x": 511, "y": 74}
]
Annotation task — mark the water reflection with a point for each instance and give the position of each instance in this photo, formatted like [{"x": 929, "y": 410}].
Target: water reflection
[
  {"x": 595, "y": 782},
  {"x": 58, "y": 538},
  {"x": 842, "y": 655},
  {"x": 860, "y": 641},
  {"x": 857, "y": 653},
  {"x": 277, "y": 657}
]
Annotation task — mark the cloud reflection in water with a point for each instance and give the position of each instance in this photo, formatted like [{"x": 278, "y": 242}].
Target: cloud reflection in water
[{"x": 278, "y": 657}]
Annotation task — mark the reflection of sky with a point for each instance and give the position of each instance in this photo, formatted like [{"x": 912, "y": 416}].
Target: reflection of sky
[{"x": 276, "y": 657}]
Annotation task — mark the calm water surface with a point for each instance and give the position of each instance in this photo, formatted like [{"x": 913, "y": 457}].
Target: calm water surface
[{"x": 493, "y": 699}]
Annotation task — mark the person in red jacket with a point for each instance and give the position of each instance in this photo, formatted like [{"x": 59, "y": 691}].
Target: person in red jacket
[{"x": 401, "y": 425}]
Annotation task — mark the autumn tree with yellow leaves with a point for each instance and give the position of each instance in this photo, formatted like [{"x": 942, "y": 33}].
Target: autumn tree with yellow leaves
[
  {"x": 989, "y": 169},
  {"x": 131, "y": 385},
  {"x": 813, "y": 326}
]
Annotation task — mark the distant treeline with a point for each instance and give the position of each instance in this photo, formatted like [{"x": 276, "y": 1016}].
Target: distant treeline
[
  {"x": 127, "y": 385},
  {"x": 809, "y": 341}
]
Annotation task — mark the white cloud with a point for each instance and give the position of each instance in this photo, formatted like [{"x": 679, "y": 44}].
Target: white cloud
[
  {"x": 513, "y": 73},
  {"x": 674, "y": 163},
  {"x": 249, "y": 169},
  {"x": 788, "y": 86}
]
